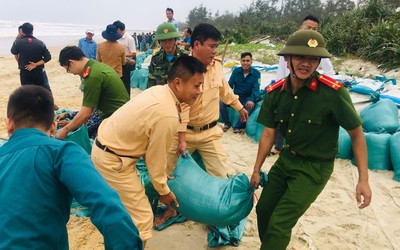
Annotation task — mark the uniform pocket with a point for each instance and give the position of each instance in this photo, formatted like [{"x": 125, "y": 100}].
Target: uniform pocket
[{"x": 310, "y": 120}]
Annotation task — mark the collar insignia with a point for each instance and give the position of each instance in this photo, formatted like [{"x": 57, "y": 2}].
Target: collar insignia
[{"x": 86, "y": 72}]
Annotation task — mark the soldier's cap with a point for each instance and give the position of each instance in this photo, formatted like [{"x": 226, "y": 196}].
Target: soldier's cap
[
  {"x": 305, "y": 43},
  {"x": 166, "y": 31}
]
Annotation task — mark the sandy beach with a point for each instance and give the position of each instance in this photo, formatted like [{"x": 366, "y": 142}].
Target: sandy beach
[{"x": 332, "y": 222}]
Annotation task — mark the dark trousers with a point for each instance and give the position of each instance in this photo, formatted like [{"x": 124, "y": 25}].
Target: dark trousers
[
  {"x": 294, "y": 182},
  {"x": 223, "y": 109},
  {"x": 35, "y": 77},
  {"x": 126, "y": 76}
]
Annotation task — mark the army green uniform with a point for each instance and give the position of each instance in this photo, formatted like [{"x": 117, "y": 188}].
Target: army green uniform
[
  {"x": 160, "y": 66},
  {"x": 309, "y": 120}
]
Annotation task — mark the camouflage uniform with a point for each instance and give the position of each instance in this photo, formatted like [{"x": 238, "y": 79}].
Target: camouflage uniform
[{"x": 160, "y": 66}]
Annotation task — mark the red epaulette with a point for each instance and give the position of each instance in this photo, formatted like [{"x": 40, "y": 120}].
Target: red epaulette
[
  {"x": 330, "y": 82},
  {"x": 276, "y": 85}
]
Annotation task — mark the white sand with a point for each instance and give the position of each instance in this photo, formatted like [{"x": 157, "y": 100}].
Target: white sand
[{"x": 332, "y": 222}]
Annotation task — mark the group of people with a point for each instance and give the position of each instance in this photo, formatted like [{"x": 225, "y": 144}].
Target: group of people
[{"x": 178, "y": 112}]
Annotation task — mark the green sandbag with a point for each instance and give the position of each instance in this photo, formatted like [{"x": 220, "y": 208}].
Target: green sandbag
[
  {"x": 80, "y": 137},
  {"x": 139, "y": 78},
  {"x": 380, "y": 117},
  {"x": 344, "y": 145},
  {"x": 207, "y": 199},
  {"x": 378, "y": 151},
  {"x": 150, "y": 191},
  {"x": 394, "y": 143},
  {"x": 252, "y": 124}
]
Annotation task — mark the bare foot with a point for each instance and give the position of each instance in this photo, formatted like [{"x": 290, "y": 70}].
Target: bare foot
[{"x": 169, "y": 213}]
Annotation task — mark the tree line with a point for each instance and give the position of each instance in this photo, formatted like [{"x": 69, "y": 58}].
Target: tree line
[{"x": 369, "y": 29}]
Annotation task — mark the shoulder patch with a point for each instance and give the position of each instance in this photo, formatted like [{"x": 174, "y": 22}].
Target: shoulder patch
[
  {"x": 330, "y": 82},
  {"x": 217, "y": 58},
  {"x": 276, "y": 85}
]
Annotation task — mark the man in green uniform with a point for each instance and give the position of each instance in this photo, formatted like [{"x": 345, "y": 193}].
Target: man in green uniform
[
  {"x": 162, "y": 61},
  {"x": 309, "y": 108},
  {"x": 102, "y": 87}
]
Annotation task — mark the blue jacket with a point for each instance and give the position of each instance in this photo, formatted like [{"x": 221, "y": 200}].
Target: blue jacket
[
  {"x": 248, "y": 86},
  {"x": 39, "y": 176}
]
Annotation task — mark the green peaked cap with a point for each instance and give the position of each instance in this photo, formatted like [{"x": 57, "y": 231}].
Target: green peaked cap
[
  {"x": 166, "y": 31},
  {"x": 305, "y": 43}
]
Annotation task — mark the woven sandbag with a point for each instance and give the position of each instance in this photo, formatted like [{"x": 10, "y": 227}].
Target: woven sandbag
[
  {"x": 344, "y": 145},
  {"x": 139, "y": 78},
  {"x": 378, "y": 151},
  {"x": 252, "y": 124},
  {"x": 394, "y": 143},
  {"x": 207, "y": 199},
  {"x": 380, "y": 117}
]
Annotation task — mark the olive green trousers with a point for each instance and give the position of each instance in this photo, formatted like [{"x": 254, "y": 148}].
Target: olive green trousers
[{"x": 294, "y": 182}]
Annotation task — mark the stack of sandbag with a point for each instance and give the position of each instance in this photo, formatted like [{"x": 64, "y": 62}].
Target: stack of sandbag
[
  {"x": 394, "y": 144},
  {"x": 344, "y": 145},
  {"x": 380, "y": 122}
]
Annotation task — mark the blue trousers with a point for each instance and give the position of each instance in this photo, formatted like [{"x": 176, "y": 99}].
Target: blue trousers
[{"x": 223, "y": 109}]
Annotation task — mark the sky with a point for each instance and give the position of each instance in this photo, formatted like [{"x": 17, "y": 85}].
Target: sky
[{"x": 143, "y": 15}]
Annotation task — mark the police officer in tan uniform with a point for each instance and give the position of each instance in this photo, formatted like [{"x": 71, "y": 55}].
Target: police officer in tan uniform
[
  {"x": 145, "y": 127},
  {"x": 198, "y": 130},
  {"x": 309, "y": 108}
]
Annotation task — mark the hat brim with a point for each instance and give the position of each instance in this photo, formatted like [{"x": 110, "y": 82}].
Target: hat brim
[
  {"x": 304, "y": 51},
  {"x": 111, "y": 37}
]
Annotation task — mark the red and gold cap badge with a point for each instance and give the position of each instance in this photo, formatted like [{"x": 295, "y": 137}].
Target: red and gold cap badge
[
  {"x": 312, "y": 43},
  {"x": 165, "y": 31}
]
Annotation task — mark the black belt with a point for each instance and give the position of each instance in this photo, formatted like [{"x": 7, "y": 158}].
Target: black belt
[
  {"x": 202, "y": 128},
  {"x": 102, "y": 147}
]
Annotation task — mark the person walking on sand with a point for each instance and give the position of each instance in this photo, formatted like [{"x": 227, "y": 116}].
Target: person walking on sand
[
  {"x": 145, "y": 127},
  {"x": 308, "y": 108},
  {"x": 39, "y": 176}
]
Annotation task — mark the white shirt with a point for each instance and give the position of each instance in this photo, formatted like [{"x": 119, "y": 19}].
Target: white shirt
[
  {"x": 283, "y": 71},
  {"x": 129, "y": 43}
]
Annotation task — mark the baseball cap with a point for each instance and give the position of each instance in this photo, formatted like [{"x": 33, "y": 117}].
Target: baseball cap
[{"x": 90, "y": 31}]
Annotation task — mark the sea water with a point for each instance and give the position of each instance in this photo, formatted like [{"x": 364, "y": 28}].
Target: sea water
[{"x": 52, "y": 34}]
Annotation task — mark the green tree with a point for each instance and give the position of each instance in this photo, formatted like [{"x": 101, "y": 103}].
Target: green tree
[{"x": 199, "y": 15}]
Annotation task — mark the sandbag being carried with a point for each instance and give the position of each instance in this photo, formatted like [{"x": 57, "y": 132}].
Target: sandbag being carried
[
  {"x": 252, "y": 125},
  {"x": 207, "y": 199},
  {"x": 344, "y": 145},
  {"x": 380, "y": 117},
  {"x": 378, "y": 151},
  {"x": 394, "y": 143}
]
